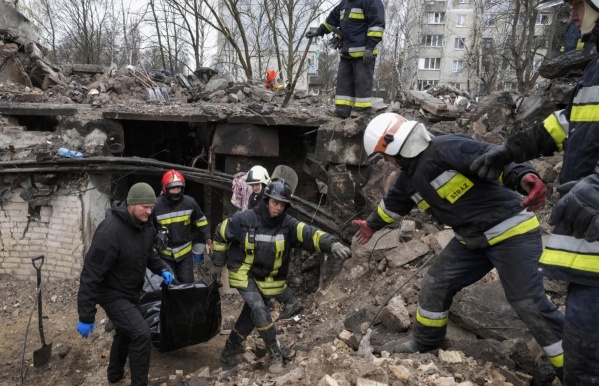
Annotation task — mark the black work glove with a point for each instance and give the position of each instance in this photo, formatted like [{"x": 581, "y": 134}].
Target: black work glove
[
  {"x": 340, "y": 251},
  {"x": 368, "y": 57},
  {"x": 578, "y": 210},
  {"x": 491, "y": 164},
  {"x": 161, "y": 239},
  {"x": 315, "y": 33},
  {"x": 335, "y": 43}
]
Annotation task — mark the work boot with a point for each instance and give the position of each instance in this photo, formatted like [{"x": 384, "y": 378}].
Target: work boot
[
  {"x": 334, "y": 113},
  {"x": 276, "y": 359},
  {"x": 229, "y": 353},
  {"x": 291, "y": 309},
  {"x": 411, "y": 346},
  {"x": 360, "y": 113}
]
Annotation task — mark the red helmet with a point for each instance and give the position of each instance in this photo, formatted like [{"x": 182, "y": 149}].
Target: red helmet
[{"x": 172, "y": 179}]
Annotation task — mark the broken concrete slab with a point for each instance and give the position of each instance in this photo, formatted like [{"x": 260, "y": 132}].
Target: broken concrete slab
[
  {"x": 483, "y": 309},
  {"x": 434, "y": 105},
  {"x": 406, "y": 253}
]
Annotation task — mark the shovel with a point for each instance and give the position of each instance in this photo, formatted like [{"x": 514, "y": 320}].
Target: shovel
[
  {"x": 42, "y": 355},
  {"x": 153, "y": 94}
]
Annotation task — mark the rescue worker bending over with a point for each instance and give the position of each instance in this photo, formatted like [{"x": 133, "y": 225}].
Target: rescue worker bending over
[
  {"x": 256, "y": 245},
  {"x": 576, "y": 216},
  {"x": 493, "y": 229},
  {"x": 257, "y": 179},
  {"x": 177, "y": 215}
]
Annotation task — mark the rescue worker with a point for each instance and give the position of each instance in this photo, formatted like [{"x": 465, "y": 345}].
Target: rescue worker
[
  {"x": 567, "y": 257},
  {"x": 179, "y": 215},
  {"x": 113, "y": 277},
  {"x": 257, "y": 179},
  {"x": 255, "y": 245},
  {"x": 491, "y": 227},
  {"x": 361, "y": 24}
]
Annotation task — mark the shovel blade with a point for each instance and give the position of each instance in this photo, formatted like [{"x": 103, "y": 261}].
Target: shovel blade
[
  {"x": 42, "y": 355},
  {"x": 151, "y": 95}
]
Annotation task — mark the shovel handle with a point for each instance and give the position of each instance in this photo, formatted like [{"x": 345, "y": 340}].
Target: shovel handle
[
  {"x": 38, "y": 269},
  {"x": 34, "y": 259}
]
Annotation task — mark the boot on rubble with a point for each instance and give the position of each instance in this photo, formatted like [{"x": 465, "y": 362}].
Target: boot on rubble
[
  {"x": 276, "y": 359},
  {"x": 291, "y": 309},
  {"x": 232, "y": 348},
  {"x": 411, "y": 346}
]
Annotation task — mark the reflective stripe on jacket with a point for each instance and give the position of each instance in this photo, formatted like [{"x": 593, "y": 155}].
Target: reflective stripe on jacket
[
  {"x": 481, "y": 212},
  {"x": 180, "y": 218},
  {"x": 565, "y": 257},
  {"x": 362, "y": 23},
  {"x": 256, "y": 249}
]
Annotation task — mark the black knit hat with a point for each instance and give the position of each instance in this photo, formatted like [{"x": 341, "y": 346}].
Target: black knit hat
[{"x": 141, "y": 193}]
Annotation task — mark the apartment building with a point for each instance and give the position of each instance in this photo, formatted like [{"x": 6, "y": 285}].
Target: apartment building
[{"x": 470, "y": 45}]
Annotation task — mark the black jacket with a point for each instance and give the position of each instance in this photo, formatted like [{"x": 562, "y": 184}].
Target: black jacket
[
  {"x": 361, "y": 23},
  {"x": 181, "y": 218},
  {"x": 115, "y": 264},
  {"x": 258, "y": 246},
  {"x": 439, "y": 181}
]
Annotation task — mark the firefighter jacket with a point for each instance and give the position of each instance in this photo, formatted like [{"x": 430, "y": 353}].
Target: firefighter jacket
[
  {"x": 438, "y": 180},
  {"x": 180, "y": 218},
  {"x": 258, "y": 247},
  {"x": 115, "y": 264},
  {"x": 361, "y": 22},
  {"x": 575, "y": 131}
]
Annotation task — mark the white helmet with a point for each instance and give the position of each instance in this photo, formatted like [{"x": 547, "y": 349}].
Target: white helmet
[
  {"x": 392, "y": 134},
  {"x": 545, "y": 4},
  {"x": 257, "y": 174}
]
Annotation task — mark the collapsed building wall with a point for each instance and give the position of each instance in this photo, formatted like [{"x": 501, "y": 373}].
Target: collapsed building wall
[{"x": 59, "y": 226}]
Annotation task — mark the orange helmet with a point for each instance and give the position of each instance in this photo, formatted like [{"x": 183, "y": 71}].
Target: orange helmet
[{"x": 172, "y": 179}]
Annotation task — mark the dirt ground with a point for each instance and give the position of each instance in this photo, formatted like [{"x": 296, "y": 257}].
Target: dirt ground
[{"x": 343, "y": 297}]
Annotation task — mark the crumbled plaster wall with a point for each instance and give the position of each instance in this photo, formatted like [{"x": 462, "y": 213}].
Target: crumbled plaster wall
[{"x": 62, "y": 234}]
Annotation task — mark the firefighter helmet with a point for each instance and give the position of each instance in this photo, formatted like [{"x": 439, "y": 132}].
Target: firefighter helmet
[
  {"x": 278, "y": 190},
  {"x": 545, "y": 4},
  {"x": 172, "y": 179},
  {"x": 394, "y": 135},
  {"x": 257, "y": 174}
]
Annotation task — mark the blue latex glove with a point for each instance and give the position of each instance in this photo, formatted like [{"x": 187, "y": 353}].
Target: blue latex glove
[
  {"x": 168, "y": 278},
  {"x": 85, "y": 329}
]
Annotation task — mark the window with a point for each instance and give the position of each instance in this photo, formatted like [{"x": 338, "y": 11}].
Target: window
[
  {"x": 457, "y": 86},
  {"x": 432, "y": 40},
  {"x": 522, "y": 20},
  {"x": 490, "y": 20},
  {"x": 461, "y": 21},
  {"x": 426, "y": 84},
  {"x": 435, "y": 17},
  {"x": 460, "y": 43},
  {"x": 458, "y": 66},
  {"x": 543, "y": 19},
  {"x": 488, "y": 42},
  {"x": 510, "y": 86},
  {"x": 463, "y": 1},
  {"x": 429, "y": 63}
]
